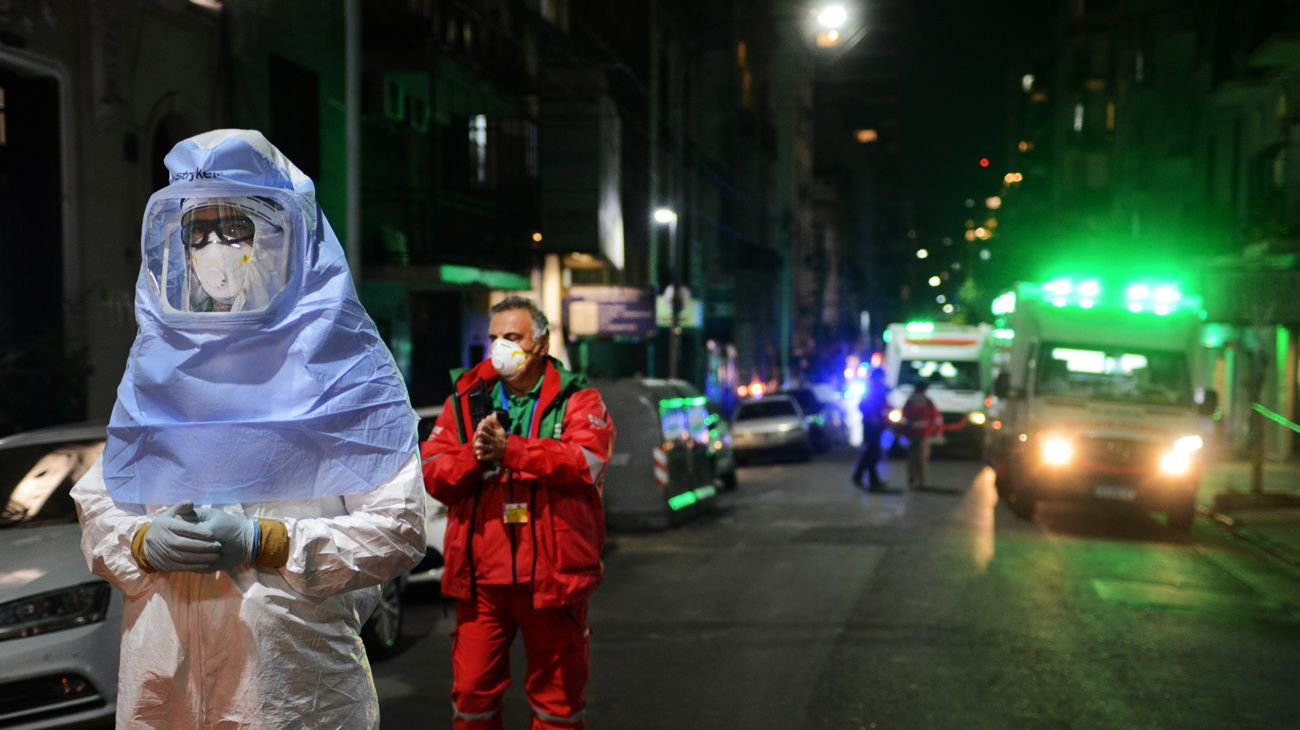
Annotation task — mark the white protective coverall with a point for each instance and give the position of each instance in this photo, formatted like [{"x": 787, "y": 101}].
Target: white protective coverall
[
  {"x": 282, "y": 405},
  {"x": 250, "y": 647}
]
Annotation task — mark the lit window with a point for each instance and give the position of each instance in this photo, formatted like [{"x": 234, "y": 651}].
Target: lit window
[
  {"x": 1110, "y": 116},
  {"x": 550, "y": 10},
  {"x": 1078, "y": 117},
  {"x": 866, "y": 136},
  {"x": 478, "y": 148},
  {"x": 1027, "y": 82}
]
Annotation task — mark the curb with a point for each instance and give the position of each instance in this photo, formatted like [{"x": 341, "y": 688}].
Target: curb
[{"x": 1238, "y": 530}]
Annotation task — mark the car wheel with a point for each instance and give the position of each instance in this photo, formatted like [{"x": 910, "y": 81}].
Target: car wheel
[
  {"x": 1020, "y": 496},
  {"x": 805, "y": 453},
  {"x": 384, "y": 627},
  {"x": 1181, "y": 516},
  {"x": 729, "y": 483}
]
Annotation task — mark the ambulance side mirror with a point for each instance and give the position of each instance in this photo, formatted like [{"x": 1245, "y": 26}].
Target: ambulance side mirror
[
  {"x": 1210, "y": 403},
  {"x": 1002, "y": 385}
]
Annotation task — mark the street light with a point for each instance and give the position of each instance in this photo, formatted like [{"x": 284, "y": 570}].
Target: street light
[
  {"x": 668, "y": 217},
  {"x": 665, "y": 215},
  {"x": 832, "y": 17}
]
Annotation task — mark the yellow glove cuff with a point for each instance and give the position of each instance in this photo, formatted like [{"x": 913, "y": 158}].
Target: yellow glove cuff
[
  {"x": 137, "y": 548},
  {"x": 272, "y": 544}
]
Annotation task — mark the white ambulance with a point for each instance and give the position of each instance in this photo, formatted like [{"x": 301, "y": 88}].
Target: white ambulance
[
  {"x": 956, "y": 361},
  {"x": 1098, "y": 401}
]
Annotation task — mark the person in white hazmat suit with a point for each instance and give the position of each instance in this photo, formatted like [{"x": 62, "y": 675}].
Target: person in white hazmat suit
[{"x": 260, "y": 479}]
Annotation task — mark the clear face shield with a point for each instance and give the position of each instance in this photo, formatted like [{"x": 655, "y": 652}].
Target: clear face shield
[{"x": 218, "y": 254}]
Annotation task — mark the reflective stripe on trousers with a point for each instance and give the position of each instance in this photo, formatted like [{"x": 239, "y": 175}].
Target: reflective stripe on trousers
[
  {"x": 570, "y": 720},
  {"x": 473, "y": 716}
]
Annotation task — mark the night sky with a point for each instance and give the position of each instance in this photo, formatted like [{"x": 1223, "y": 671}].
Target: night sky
[{"x": 959, "y": 60}]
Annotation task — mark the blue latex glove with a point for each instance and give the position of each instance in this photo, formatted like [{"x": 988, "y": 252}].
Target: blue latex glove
[
  {"x": 174, "y": 543},
  {"x": 235, "y": 534}
]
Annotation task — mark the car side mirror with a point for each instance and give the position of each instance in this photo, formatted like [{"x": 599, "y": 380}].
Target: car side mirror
[
  {"x": 1210, "y": 403},
  {"x": 1002, "y": 385}
]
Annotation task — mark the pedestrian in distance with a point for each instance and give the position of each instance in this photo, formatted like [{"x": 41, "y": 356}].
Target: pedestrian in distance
[
  {"x": 518, "y": 455},
  {"x": 874, "y": 407},
  {"x": 922, "y": 421},
  {"x": 261, "y": 478}
]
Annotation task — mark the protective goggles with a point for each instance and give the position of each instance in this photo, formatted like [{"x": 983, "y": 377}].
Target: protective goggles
[{"x": 231, "y": 225}]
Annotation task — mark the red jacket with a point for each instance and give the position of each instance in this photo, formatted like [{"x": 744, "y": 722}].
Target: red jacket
[
  {"x": 559, "y": 475},
  {"x": 921, "y": 417}
]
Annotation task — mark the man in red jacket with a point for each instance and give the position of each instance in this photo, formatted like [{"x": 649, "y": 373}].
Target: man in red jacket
[
  {"x": 526, "y": 523},
  {"x": 922, "y": 421}
]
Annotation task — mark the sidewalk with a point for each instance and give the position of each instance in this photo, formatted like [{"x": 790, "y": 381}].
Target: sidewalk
[{"x": 1271, "y": 524}]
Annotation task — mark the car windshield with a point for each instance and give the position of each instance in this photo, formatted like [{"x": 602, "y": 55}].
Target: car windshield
[
  {"x": 36, "y": 481},
  {"x": 1119, "y": 374},
  {"x": 765, "y": 409},
  {"x": 808, "y": 400},
  {"x": 949, "y": 374}
]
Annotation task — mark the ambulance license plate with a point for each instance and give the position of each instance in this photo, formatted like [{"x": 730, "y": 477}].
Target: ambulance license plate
[{"x": 1110, "y": 491}]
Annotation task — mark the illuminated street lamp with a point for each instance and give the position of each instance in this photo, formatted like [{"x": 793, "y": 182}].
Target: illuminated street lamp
[
  {"x": 832, "y": 17},
  {"x": 668, "y": 217},
  {"x": 922, "y": 253},
  {"x": 935, "y": 281}
]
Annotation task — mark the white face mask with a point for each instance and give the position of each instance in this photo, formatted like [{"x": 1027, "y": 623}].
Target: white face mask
[
  {"x": 508, "y": 357},
  {"x": 220, "y": 268}
]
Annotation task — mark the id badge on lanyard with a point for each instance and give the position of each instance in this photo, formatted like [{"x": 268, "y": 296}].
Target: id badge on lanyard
[{"x": 516, "y": 513}]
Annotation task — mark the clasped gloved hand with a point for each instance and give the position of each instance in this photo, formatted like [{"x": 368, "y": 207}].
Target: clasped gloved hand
[
  {"x": 236, "y": 535},
  {"x": 264, "y": 543},
  {"x": 172, "y": 542}
]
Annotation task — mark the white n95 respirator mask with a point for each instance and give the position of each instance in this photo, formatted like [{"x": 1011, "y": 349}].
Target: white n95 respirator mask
[
  {"x": 222, "y": 268},
  {"x": 508, "y": 357}
]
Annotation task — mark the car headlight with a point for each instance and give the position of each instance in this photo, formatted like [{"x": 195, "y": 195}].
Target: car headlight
[
  {"x": 1175, "y": 463},
  {"x": 1188, "y": 444},
  {"x": 977, "y": 417},
  {"x": 895, "y": 415},
  {"x": 788, "y": 427},
  {"x": 65, "y": 608},
  {"x": 1057, "y": 451}
]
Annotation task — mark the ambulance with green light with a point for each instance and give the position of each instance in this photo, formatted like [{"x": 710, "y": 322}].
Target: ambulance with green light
[
  {"x": 1096, "y": 400},
  {"x": 956, "y": 361}
]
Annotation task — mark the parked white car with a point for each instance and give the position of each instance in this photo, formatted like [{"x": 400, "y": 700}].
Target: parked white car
[
  {"x": 59, "y": 624},
  {"x": 771, "y": 426}
]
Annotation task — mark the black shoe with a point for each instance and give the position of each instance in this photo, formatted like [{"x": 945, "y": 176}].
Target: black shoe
[{"x": 877, "y": 487}]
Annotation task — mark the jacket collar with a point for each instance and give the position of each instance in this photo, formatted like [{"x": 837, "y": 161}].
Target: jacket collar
[{"x": 486, "y": 375}]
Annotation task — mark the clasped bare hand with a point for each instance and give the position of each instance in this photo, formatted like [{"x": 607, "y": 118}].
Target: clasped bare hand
[{"x": 490, "y": 441}]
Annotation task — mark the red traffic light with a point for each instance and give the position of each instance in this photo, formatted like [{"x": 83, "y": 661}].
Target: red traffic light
[{"x": 984, "y": 162}]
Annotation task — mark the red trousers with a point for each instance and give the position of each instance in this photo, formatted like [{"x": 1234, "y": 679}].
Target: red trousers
[{"x": 556, "y": 641}]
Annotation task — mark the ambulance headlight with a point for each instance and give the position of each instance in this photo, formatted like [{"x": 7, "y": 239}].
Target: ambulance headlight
[
  {"x": 1188, "y": 444},
  {"x": 1175, "y": 463},
  {"x": 1057, "y": 451},
  {"x": 977, "y": 418}
]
